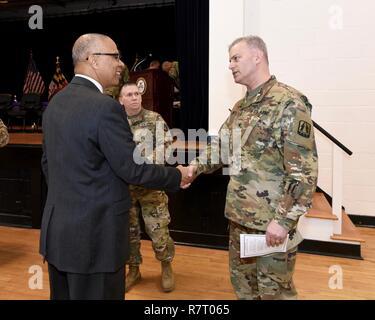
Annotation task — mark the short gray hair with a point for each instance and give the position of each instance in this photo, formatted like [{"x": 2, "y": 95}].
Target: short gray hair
[
  {"x": 128, "y": 84},
  {"x": 84, "y": 45},
  {"x": 253, "y": 42}
]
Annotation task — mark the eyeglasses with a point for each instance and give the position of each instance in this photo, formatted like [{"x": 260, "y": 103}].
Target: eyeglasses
[{"x": 117, "y": 56}]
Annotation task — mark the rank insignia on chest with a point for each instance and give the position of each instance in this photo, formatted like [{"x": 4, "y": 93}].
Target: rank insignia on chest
[{"x": 304, "y": 129}]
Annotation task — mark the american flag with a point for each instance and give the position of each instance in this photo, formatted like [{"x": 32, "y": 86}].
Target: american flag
[
  {"x": 58, "y": 81},
  {"x": 33, "y": 82}
]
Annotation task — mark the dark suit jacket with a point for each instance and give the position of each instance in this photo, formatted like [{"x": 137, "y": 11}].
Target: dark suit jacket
[{"x": 88, "y": 164}]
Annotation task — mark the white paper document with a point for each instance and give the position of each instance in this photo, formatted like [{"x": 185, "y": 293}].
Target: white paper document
[{"x": 253, "y": 245}]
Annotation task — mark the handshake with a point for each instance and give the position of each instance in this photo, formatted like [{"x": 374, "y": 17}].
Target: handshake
[{"x": 188, "y": 174}]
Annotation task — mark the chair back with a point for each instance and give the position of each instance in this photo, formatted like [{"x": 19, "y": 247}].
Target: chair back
[
  {"x": 30, "y": 101},
  {"x": 5, "y": 101}
]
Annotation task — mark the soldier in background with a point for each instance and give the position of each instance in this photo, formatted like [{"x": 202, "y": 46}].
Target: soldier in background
[
  {"x": 173, "y": 71},
  {"x": 274, "y": 175},
  {"x": 114, "y": 92},
  {"x": 4, "y": 136},
  {"x": 152, "y": 204},
  {"x": 154, "y": 64}
]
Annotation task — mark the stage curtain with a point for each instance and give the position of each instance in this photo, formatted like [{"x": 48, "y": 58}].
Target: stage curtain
[{"x": 192, "y": 32}]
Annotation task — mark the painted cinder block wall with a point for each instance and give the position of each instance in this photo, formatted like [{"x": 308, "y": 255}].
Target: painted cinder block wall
[{"x": 324, "y": 48}]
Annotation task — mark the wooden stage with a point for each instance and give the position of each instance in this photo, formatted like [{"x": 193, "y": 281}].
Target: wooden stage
[
  {"x": 25, "y": 139},
  {"x": 36, "y": 139},
  {"x": 23, "y": 193}
]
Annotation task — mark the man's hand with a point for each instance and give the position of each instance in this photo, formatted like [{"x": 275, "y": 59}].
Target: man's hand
[
  {"x": 192, "y": 172},
  {"x": 185, "y": 179},
  {"x": 188, "y": 175},
  {"x": 275, "y": 234}
]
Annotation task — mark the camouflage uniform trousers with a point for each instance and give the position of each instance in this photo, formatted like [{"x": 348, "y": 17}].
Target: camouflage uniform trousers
[
  {"x": 260, "y": 278},
  {"x": 153, "y": 205}
]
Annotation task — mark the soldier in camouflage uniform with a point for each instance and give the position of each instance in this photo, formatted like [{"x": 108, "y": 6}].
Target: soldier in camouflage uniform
[
  {"x": 152, "y": 204},
  {"x": 173, "y": 71},
  {"x": 274, "y": 172},
  {"x": 4, "y": 136}
]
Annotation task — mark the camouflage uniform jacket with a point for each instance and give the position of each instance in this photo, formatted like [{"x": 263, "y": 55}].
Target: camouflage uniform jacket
[
  {"x": 151, "y": 135},
  {"x": 174, "y": 73},
  {"x": 4, "y": 136},
  {"x": 278, "y": 158}
]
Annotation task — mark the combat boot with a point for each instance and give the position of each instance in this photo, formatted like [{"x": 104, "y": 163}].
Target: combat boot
[
  {"x": 132, "y": 278},
  {"x": 167, "y": 276}
]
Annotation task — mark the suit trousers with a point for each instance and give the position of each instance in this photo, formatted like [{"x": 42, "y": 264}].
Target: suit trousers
[{"x": 96, "y": 286}]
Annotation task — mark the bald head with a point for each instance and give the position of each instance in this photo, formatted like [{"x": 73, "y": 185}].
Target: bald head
[
  {"x": 87, "y": 44},
  {"x": 97, "y": 56}
]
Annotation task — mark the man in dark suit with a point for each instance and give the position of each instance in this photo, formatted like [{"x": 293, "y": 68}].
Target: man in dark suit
[{"x": 88, "y": 164}]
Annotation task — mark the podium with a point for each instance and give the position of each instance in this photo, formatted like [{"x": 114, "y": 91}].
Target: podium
[{"x": 156, "y": 88}]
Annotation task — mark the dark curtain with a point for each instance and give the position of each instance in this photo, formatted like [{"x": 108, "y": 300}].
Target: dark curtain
[
  {"x": 136, "y": 31},
  {"x": 192, "y": 30}
]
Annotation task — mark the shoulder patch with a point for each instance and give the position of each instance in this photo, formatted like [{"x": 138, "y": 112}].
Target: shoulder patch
[
  {"x": 304, "y": 129},
  {"x": 300, "y": 130}
]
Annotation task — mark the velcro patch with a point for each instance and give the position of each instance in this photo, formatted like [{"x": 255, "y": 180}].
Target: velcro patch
[
  {"x": 304, "y": 129},
  {"x": 300, "y": 130}
]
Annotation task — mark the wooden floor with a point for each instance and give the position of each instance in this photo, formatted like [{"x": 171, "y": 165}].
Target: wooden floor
[{"x": 200, "y": 273}]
